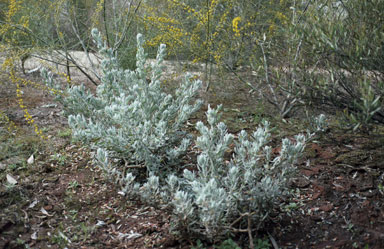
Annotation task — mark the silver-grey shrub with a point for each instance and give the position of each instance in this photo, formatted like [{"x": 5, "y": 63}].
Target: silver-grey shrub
[
  {"x": 225, "y": 193},
  {"x": 130, "y": 118}
]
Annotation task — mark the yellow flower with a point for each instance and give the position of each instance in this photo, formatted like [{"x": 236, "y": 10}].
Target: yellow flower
[{"x": 235, "y": 25}]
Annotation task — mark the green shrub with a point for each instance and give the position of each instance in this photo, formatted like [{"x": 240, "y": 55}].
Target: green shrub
[{"x": 341, "y": 59}]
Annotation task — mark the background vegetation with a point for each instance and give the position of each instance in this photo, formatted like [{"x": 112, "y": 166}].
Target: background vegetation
[{"x": 294, "y": 53}]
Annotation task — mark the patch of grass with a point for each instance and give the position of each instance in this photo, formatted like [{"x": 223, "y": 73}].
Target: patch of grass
[
  {"x": 21, "y": 242},
  {"x": 60, "y": 239},
  {"x": 64, "y": 133},
  {"x": 60, "y": 158},
  {"x": 18, "y": 166},
  {"x": 73, "y": 214},
  {"x": 13, "y": 166},
  {"x": 228, "y": 244},
  {"x": 262, "y": 244},
  {"x": 12, "y": 195},
  {"x": 22, "y": 144},
  {"x": 381, "y": 188},
  {"x": 73, "y": 184}
]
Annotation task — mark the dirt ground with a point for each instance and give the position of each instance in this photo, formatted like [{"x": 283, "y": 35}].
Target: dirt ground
[{"x": 61, "y": 199}]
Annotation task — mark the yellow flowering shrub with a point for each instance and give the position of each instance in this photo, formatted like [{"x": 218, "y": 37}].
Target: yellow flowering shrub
[
  {"x": 221, "y": 32},
  {"x": 21, "y": 22}
]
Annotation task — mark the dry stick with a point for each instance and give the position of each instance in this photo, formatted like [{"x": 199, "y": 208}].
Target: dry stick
[
  {"x": 208, "y": 75},
  {"x": 116, "y": 23},
  {"x": 105, "y": 23},
  {"x": 48, "y": 60},
  {"x": 289, "y": 105},
  {"x": 126, "y": 27},
  {"x": 86, "y": 52},
  {"x": 61, "y": 64},
  {"x": 114, "y": 19},
  {"x": 75, "y": 30},
  {"x": 82, "y": 70},
  {"x": 305, "y": 10},
  {"x": 67, "y": 65},
  {"x": 249, "y": 228},
  {"x": 274, "y": 243},
  {"x": 135, "y": 166},
  {"x": 267, "y": 78},
  {"x": 239, "y": 219}
]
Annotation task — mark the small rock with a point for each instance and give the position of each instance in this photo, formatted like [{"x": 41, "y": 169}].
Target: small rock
[
  {"x": 11, "y": 180},
  {"x": 301, "y": 182},
  {"x": 327, "y": 207},
  {"x": 33, "y": 204},
  {"x": 45, "y": 212},
  {"x": 34, "y": 236},
  {"x": 31, "y": 159}
]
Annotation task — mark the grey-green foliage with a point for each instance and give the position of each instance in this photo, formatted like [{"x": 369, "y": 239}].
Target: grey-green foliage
[
  {"x": 128, "y": 117},
  {"x": 367, "y": 106},
  {"x": 342, "y": 53},
  {"x": 224, "y": 189}
]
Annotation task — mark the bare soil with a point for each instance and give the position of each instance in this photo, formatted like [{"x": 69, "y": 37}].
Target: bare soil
[{"x": 61, "y": 200}]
